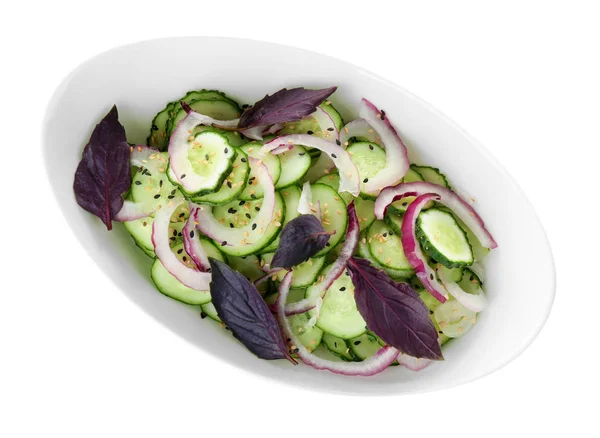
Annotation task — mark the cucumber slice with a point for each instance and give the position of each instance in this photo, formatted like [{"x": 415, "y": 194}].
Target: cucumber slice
[
  {"x": 211, "y": 159},
  {"x": 304, "y": 274},
  {"x": 369, "y": 158},
  {"x": 394, "y": 221},
  {"x": 365, "y": 345},
  {"x": 386, "y": 247},
  {"x": 238, "y": 214},
  {"x": 309, "y": 125},
  {"x": 454, "y": 319},
  {"x": 234, "y": 138},
  {"x": 338, "y": 314},
  {"x": 400, "y": 206},
  {"x": 363, "y": 251},
  {"x": 365, "y": 210},
  {"x": 333, "y": 180},
  {"x": 309, "y": 336},
  {"x": 432, "y": 304},
  {"x": 338, "y": 346},
  {"x": 158, "y": 129},
  {"x": 151, "y": 186},
  {"x": 217, "y": 109},
  {"x": 335, "y": 216},
  {"x": 469, "y": 281},
  {"x": 431, "y": 174},
  {"x": 248, "y": 266},
  {"x": 209, "y": 310},
  {"x": 443, "y": 239},
  {"x": 171, "y": 287},
  {"x": 294, "y": 165},
  {"x": 291, "y": 197},
  {"x": 273, "y": 163},
  {"x": 233, "y": 185}
]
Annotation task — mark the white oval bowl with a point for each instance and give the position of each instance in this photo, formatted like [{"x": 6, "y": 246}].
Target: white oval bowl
[{"x": 140, "y": 78}]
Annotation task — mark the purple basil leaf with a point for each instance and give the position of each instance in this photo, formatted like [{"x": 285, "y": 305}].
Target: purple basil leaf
[
  {"x": 300, "y": 239},
  {"x": 394, "y": 311},
  {"x": 243, "y": 310},
  {"x": 284, "y": 106},
  {"x": 103, "y": 175}
]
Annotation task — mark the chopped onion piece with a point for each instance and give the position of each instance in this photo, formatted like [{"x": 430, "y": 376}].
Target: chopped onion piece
[
  {"x": 358, "y": 128},
  {"x": 459, "y": 206},
  {"x": 194, "y": 279},
  {"x": 412, "y": 248},
  {"x": 330, "y": 133},
  {"x": 132, "y": 211},
  {"x": 396, "y": 155},
  {"x": 349, "y": 178},
  {"x": 338, "y": 267},
  {"x": 382, "y": 359},
  {"x": 474, "y": 302},
  {"x": 255, "y": 133}
]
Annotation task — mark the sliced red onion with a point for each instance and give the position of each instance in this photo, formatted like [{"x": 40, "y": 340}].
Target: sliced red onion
[
  {"x": 179, "y": 144},
  {"x": 194, "y": 279},
  {"x": 191, "y": 242},
  {"x": 358, "y": 128},
  {"x": 396, "y": 155},
  {"x": 382, "y": 359},
  {"x": 330, "y": 133},
  {"x": 255, "y": 133},
  {"x": 349, "y": 178},
  {"x": 225, "y": 235},
  {"x": 274, "y": 129},
  {"x": 413, "y": 363},
  {"x": 352, "y": 236},
  {"x": 132, "y": 211},
  {"x": 474, "y": 302},
  {"x": 447, "y": 197},
  {"x": 412, "y": 248}
]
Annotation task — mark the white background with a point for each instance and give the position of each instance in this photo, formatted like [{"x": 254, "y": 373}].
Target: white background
[{"x": 78, "y": 359}]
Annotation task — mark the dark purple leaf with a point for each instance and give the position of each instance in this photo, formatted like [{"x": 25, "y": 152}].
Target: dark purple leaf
[
  {"x": 243, "y": 310},
  {"x": 103, "y": 175},
  {"x": 394, "y": 311},
  {"x": 300, "y": 239},
  {"x": 284, "y": 106}
]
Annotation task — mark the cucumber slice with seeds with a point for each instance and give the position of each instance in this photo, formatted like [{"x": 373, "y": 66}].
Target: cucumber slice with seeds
[
  {"x": 304, "y": 274},
  {"x": 333, "y": 180},
  {"x": 171, "y": 287},
  {"x": 431, "y": 174},
  {"x": 338, "y": 346},
  {"x": 338, "y": 314},
  {"x": 309, "y": 336},
  {"x": 454, "y": 319},
  {"x": 211, "y": 158},
  {"x": 442, "y": 238},
  {"x": 335, "y": 216},
  {"x": 365, "y": 345},
  {"x": 369, "y": 158},
  {"x": 233, "y": 185},
  {"x": 238, "y": 214},
  {"x": 248, "y": 266},
  {"x": 386, "y": 247},
  {"x": 294, "y": 165},
  {"x": 253, "y": 190},
  {"x": 217, "y": 109}
]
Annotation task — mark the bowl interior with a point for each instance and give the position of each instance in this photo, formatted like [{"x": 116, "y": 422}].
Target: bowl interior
[{"x": 141, "y": 78}]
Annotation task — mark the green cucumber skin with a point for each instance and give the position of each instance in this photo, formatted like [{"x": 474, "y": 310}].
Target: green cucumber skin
[
  {"x": 430, "y": 249},
  {"x": 424, "y": 172}
]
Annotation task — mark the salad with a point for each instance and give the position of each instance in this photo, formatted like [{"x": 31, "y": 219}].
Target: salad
[{"x": 309, "y": 237}]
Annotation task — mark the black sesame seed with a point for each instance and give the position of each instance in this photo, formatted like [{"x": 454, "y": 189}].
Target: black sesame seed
[
  {"x": 192, "y": 234},
  {"x": 342, "y": 289},
  {"x": 170, "y": 196},
  {"x": 366, "y": 180},
  {"x": 339, "y": 143},
  {"x": 330, "y": 129},
  {"x": 207, "y": 157},
  {"x": 232, "y": 210},
  {"x": 244, "y": 160},
  {"x": 230, "y": 225},
  {"x": 384, "y": 234},
  {"x": 173, "y": 191},
  {"x": 154, "y": 127},
  {"x": 334, "y": 155},
  {"x": 251, "y": 179},
  {"x": 202, "y": 315},
  {"x": 382, "y": 112},
  {"x": 180, "y": 250},
  {"x": 257, "y": 208},
  {"x": 182, "y": 176},
  {"x": 138, "y": 183},
  {"x": 253, "y": 196},
  {"x": 309, "y": 132},
  {"x": 157, "y": 196},
  {"x": 253, "y": 227},
  {"x": 224, "y": 243},
  {"x": 229, "y": 184},
  {"x": 295, "y": 350},
  {"x": 335, "y": 344},
  {"x": 371, "y": 147},
  {"x": 173, "y": 239},
  {"x": 248, "y": 216},
  {"x": 302, "y": 153},
  {"x": 347, "y": 273},
  {"x": 356, "y": 342},
  {"x": 471, "y": 278},
  {"x": 242, "y": 203},
  {"x": 160, "y": 183},
  {"x": 226, "y": 150},
  {"x": 404, "y": 204},
  {"x": 431, "y": 276},
  {"x": 431, "y": 312},
  {"x": 148, "y": 173},
  {"x": 441, "y": 332},
  {"x": 184, "y": 258},
  {"x": 391, "y": 233},
  {"x": 328, "y": 244},
  {"x": 181, "y": 214}
]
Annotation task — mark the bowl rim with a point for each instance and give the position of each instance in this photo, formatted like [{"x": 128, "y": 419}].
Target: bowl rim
[{"x": 366, "y": 390}]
